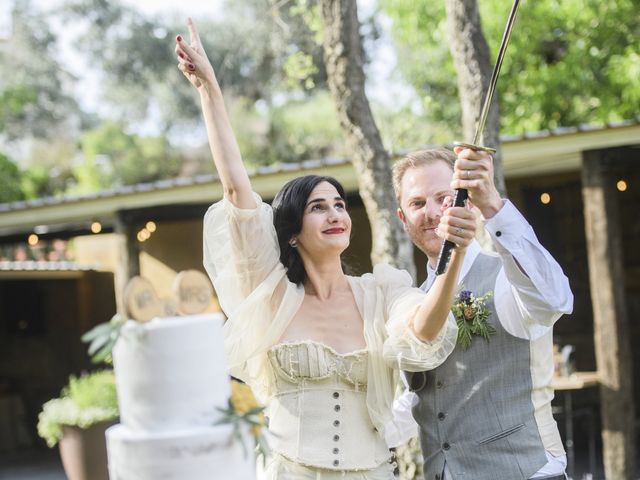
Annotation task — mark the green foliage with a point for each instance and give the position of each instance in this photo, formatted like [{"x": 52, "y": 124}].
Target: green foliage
[
  {"x": 402, "y": 128},
  {"x": 114, "y": 157},
  {"x": 85, "y": 401},
  {"x": 47, "y": 166},
  {"x": 296, "y": 131},
  {"x": 14, "y": 99},
  {"x": 299, "y": 69},
  {"x": 93, "y": 390},
  {"x": 35, "y": 182},
  {"x": 102, "y": 338},
  {"x": 10, "y": 179},
  {"x": 248, "y": 44},
  {"x": 34, "y": 94},
  {"x": 134, "y": 56},
  {"x": 568, "y": 62},
  {"x": 309, "y": 12},
  {"x": 251, "y": 418},
  {"x": 472, "y": 314}
]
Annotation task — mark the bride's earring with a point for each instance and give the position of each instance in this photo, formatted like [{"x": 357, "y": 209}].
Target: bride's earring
[{"x": 294, "y": 243}]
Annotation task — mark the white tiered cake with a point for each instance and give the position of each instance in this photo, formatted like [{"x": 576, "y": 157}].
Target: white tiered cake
[{"x": 171, "y": 380}]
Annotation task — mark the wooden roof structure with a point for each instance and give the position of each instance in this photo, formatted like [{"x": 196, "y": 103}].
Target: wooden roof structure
[{"x": 530, "y": 154}]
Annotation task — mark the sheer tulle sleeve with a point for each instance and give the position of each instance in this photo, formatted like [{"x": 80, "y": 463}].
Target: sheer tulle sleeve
[
  {"x": 402, "y": 349},
  {"x": 240, "y": 250},
  {"x": 242, "y": 258}
]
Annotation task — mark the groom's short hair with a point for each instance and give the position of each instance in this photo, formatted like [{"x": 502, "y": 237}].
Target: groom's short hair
[{"x": 418, "y": 159}]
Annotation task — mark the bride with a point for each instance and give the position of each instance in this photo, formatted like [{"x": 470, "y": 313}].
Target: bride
[{"x": 320, "y": 349}]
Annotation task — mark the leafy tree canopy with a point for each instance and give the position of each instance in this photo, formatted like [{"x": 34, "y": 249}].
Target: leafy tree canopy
[
  {"x": 35, "y": 97},
  {"x": 569, "y": 62},
  {"x": 112, "y": 157},
  {"x": 250, "y": 45},
  {"x": 10, "y": 178},
  {"x": 298, "y": 130}
]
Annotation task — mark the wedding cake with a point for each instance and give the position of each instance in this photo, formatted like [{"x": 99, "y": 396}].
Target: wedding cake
[{"x": 171, "y": 379}]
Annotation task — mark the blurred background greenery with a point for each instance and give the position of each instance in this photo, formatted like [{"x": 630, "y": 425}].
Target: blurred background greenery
[{"x": 128, "y": 116}]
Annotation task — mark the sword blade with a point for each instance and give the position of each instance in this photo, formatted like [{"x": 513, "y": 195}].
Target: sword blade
[
  {"x": 461, "y": 194},
  {"x": 484, "y": 112}
]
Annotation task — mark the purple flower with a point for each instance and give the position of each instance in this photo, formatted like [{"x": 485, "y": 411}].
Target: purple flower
[{"x": 465, "y": 296}]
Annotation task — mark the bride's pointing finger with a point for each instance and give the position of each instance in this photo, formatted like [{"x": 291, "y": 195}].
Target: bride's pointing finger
[{"x": 193, "y": 32}]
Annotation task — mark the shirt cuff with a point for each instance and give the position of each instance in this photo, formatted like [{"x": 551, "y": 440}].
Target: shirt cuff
[{"x": 507, "y": 227}]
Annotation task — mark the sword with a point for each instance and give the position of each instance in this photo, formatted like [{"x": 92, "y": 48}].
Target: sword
[{"x": 462, "y": 194}]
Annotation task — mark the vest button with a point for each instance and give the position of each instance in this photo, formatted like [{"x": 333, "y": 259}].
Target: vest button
[
  {"x": 337, "y": 408},
  {"x": 336, "y": 463},
  {"x": 336, "y": 451},
  {"x": 446, "y": 446},
  {"x": 336, "y": 438},
  {"x": 439, "y": 384},
  {"x": 441, "y": 416},
  {"x": 336, "y": 395},
  {"x": 498, "y": 233},
  {"x": 336, "y": 423}
]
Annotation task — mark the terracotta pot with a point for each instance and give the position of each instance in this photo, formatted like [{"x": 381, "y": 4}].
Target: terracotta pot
[{"x": 84, "y": 452}]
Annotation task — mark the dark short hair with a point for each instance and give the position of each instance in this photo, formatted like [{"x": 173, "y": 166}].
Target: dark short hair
[{"x": 288, "y": 210}]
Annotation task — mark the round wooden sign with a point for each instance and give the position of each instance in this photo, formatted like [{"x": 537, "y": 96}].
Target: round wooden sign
[
  {"x": 141, "y": 300},
  {"x": 193, "y": 291}
]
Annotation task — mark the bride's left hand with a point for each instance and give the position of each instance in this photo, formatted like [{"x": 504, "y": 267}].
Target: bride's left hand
[
  {"x": 458, "y": 225},
  {"x": 193, "y": 60}
]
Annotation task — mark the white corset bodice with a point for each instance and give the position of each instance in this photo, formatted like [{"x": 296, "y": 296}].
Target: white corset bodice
[{"x": 319, "y": 415}]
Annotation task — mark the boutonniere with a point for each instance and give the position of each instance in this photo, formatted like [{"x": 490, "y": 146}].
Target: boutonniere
[{"x": 471, "y": 315}]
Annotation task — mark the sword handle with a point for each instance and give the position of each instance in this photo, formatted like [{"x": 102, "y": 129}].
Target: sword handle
[{"x": 459, "y": 200}]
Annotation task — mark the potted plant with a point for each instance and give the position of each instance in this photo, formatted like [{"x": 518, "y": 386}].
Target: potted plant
[{"x": 77, "y": 420}]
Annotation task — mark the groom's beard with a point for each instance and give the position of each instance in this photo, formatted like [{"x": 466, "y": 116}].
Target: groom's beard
[{"x": 425, "y": 237}]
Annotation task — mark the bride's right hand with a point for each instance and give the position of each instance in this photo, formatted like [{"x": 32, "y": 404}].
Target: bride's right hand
[{"x": 193, "y": 61}]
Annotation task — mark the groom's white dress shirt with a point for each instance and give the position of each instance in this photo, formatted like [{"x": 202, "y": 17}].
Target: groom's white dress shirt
[{"x": 530, "y": 294}]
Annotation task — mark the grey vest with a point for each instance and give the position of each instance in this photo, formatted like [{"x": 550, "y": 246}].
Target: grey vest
[{"x": 475, "y": 410}]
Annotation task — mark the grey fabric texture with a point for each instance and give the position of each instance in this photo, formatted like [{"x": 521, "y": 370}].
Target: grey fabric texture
[{"x": 475, "y": 410}]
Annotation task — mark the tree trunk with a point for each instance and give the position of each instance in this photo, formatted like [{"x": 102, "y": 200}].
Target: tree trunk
[
  {"x": 472, "y": 61},
  {"x": 343, "y": 56},
  {"x": 611, "y": 326}
]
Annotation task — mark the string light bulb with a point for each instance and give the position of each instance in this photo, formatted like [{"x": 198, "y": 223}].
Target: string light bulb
[
  {"x": 545, "y": 198},
  {"x": 621, "y": 185}
]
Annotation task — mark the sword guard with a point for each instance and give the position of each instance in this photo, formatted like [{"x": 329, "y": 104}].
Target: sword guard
[{"x": 474, "y": 147}]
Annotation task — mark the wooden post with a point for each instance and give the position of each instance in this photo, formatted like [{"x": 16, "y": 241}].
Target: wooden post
[
  {"x": 128, "y": 257},
  {"x": 611, "y": 329}
]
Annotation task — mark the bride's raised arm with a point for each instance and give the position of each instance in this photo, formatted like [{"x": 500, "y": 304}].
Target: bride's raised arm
[{"x": 193, "y": 62}]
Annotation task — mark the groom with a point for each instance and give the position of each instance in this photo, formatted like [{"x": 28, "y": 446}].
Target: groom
[{"x": 485, "y": 413}]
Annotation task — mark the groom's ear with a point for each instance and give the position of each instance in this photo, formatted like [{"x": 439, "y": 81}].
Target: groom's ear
[{"x": 402, "y": 218}]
